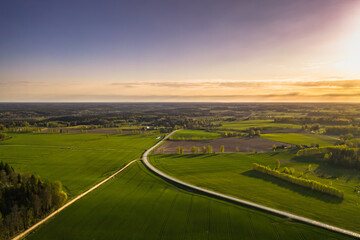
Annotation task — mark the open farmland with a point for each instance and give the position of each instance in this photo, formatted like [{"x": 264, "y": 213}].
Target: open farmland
[
  {"x": 301, "y": 139},
  {"x": 194, "y": 135},
  {"x": 77, "y": 160},
  {"x": 231, "y": 144},
  {"x": 259, "y": 124},
  {"x": 232, "y": 174},
  {"x": 138, "y": 205}
]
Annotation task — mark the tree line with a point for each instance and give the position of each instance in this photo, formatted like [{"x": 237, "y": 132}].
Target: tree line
[
  {"x": 343, "y": 130},
  {"x": 24, "y": 199},
  {"x": 311, "y": 120},
  {"x": 3, "y": 136},
  {"x": 205, "y": 149},
  {"x": 311, "y": 184}
]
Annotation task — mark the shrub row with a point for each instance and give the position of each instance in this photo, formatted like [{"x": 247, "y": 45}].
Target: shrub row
[{"x": 314, "y": 185}]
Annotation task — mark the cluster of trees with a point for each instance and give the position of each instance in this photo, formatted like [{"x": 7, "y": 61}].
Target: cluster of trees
[
  {"x": 205, "y": 149},
  {"x": 231, "y": 134},
  {"x": 311, "y": 184},
  {"x": 341, "y": 155},
  {"x": 24, "y": 129},
  {"x": 313, "y": 127},
  {"x": 2, "y": 127},
  {"x": 195, "y": 150},
  {"x": 253, "y": 133},
  {"x": 343, "y": 130},
  {"x": 313, "y": 151},
  {"x": 3, "y": 136},
  {"x": 311, "y": 120},
  {"x": 180, "y": 150},
  {"x": 344, "y": 156},
  {"x": 24, "y": 199}
]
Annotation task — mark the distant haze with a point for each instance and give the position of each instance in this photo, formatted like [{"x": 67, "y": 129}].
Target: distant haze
[{"x": 203, "y": 50}]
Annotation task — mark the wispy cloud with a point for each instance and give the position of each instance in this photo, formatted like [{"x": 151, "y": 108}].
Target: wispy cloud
[
  {"x": 199, "y": 90},
  {"x": 337, "y": 83}
]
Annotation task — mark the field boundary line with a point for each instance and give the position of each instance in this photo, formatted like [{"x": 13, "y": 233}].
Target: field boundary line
[
  {"x": 241, "y": 201},
  {"x": 33, "y": 227}
]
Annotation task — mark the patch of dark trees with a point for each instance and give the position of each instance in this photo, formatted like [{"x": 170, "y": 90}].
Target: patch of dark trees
[
  {"x": 341, "y": 155},
  {"x": 314, "y": 120},
  {"x": 344, "y": 156},
  {"x": 343, "y": 130},
  {"x": 24, "y": 199}
]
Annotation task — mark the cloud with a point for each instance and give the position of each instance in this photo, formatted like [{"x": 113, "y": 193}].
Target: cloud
[
  {"x": 21, "y": 83},
  {"x": 199, "y": 90},
  {"x": 253, "y": 84}
]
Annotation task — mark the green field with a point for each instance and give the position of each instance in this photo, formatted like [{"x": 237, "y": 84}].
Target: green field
[
  {"x": 79, "y": 161},
  {"x": 300, "y": 139},
  {"x": 194, "y": 135},
  {"x": 138, "y": 205},
  {"x": 232, "y": 174},
  {"x": 244, "y": 125}
]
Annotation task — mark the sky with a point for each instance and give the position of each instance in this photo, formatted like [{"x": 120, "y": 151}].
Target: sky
[{"x": 167, "y": 50}]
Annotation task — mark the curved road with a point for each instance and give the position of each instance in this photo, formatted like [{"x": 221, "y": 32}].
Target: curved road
[{"x": 244, "y": 202}]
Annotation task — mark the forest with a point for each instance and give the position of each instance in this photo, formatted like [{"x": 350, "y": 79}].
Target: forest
[{"x": 24, "y": 199}]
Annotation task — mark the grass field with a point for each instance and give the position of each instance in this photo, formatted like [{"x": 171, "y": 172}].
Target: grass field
[
  {"x": 77, "y": 160},
  {"x": 300, "y": 139},
  {"x": 194, "y": 135},
  {"x": 244, "y": 125},
  {"x": 137, "y": 205},
  {"x": 232, "y": 174}
]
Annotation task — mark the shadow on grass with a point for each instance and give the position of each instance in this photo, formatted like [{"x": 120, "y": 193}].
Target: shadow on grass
[
  {"x": 298, "y": 189},
  {"x": 327, "y": 171}
]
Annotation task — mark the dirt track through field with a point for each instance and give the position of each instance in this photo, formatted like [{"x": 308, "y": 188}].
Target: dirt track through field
[
  {"x": 29, "y": 230},
  {"x": 241, "y": 201}
]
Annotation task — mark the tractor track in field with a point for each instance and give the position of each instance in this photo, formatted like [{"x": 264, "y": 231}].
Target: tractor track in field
[
  {"x": 33, "y": 227},
  {"x": 237, "y": 200}
]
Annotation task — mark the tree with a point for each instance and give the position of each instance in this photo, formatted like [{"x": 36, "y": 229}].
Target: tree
[
  {"x": 204, "y": 150},
  {"x": 274, "y": 147},
  {"x": 286, "y": 170},
  {"x": 222, "y": 148},
  {"x": 277, "y": 164},
  {"x": 180, "y": 150},
  {"x": 237, "y": 149},
  {"x": 194, "y": 150},
  {"x": 258, "y": 132},
  {"x": 309, "y": 168},
  {"x": 252, "y": 132},
  {"x": 3, "y": 136},
  {"x": 209, "y": 149}
]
